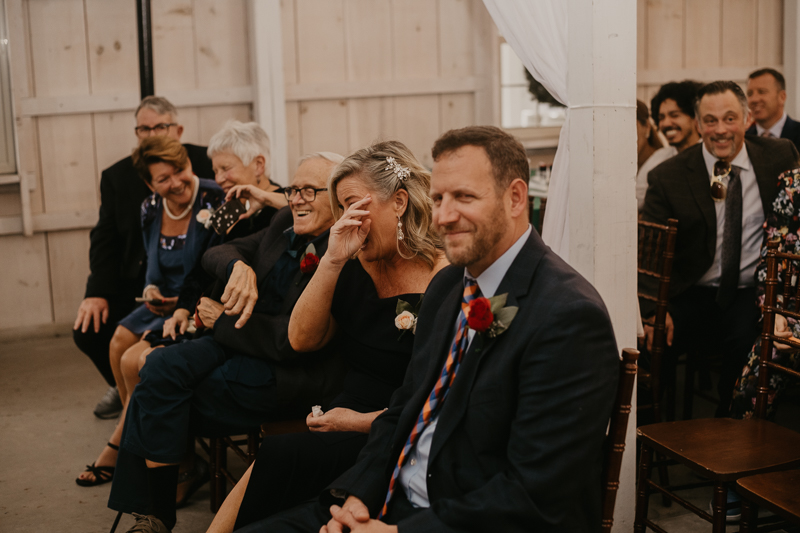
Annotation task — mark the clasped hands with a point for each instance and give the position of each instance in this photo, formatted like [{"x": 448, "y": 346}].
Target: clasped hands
[{"x": 354, "y": 516}]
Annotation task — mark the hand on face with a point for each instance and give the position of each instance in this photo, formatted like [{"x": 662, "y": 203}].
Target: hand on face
[{"x": 349, "y": 233}]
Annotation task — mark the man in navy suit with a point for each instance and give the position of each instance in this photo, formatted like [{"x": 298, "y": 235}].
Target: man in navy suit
[
  {"x": 766, "y": 96},
  {"x": 515, "y": 443}
]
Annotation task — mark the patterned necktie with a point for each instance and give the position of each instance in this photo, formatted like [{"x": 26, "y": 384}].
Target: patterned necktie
[
  {"x": 440, "y": 389},
  {"x": 731, "y": 242},
  {"x": 767, "y": 134}
]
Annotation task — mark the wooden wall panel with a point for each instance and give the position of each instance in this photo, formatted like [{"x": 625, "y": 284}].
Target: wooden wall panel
[
  {"x": 174, "y": 62},
  {"x": 323, "y": 127},
  {"x": 69, "y": 267},
  {"x": 9, "y": 204},
  {"x": 457, "y": 111},
  {"x": 221, "y": 62},
  {"x": 25, "y": 279},
  {"x": 213, "y": 118},
  {"x": 641, "y": 31},
  {"x": 703, "y": 28},
  {"x": 68, "y": 165},
  {"x": 294, "y": 152},
  {"x": 190, "y": 120},
  {"x": 456, "y": 28},
  {"x": 320, "y": 41},
  {"x": 664, "y": 25},
  {"x": 114, "y": 139},
  {"x": 58, "y": 47},
  {"x": 416, "y": 39},
  {"x": 769, "y": 36},
  {"x": 370, "y": 119},
  {"x": 739, "y": 46},
  {"x": 369, "y": 39},
  {"x": 417, "y": 124},
  {"x": 289, "y": 44},
  {"x": 113, "y": 46}
]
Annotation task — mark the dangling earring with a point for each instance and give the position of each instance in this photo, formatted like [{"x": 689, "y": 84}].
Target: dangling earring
[{"x": 399, "y": 229}]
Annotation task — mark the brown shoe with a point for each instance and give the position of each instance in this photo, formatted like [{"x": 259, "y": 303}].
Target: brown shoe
[{"x": 148, "y": 524}]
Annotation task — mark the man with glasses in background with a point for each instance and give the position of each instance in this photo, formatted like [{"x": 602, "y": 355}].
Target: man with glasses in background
[
  {"x": 720, "y": 191},
  {"x": 116, "y": 256}
]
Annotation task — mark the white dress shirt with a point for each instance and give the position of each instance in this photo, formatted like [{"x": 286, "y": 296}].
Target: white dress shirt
[
  {"x": 413, "y": 473},
  {"x": 752, "y": 221},
  {"x": 775, "y": 130}
]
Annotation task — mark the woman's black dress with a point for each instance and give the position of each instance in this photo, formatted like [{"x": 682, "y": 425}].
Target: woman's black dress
[{"x": 294, "y": 468}]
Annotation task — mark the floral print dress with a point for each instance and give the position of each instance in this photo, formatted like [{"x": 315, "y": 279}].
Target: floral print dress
[{"x": 783, "y": 224}]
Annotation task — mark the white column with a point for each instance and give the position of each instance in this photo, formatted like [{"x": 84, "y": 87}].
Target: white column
[
  {"x": 791, "y": 56},
  {"x": 602, "y": 203},
  {"x": 266, "y": 60}
]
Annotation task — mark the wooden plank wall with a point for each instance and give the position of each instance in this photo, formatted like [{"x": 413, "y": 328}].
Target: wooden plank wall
[
  {"x": 706, "y": 40},
  {"x": 355, "y": 71},
  {"x": 73, "y": 49},
  {"x": 361, "y": 70}
]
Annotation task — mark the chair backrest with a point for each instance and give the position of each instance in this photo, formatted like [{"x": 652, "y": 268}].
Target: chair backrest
[
  {"x": 783, "y": 269},
  {"x": 656, "y": 251},
  {"x": 617, "y": 430}
]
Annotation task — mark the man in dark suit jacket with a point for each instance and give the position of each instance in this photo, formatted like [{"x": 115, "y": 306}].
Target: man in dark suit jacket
[
  {"x": 713, "y": 308},
  {"x": 766, "y": 96},
  {"x": 233, "y": 378},
  {"x": 516, "y": 444},
  {"x": 116, "y": 256}
]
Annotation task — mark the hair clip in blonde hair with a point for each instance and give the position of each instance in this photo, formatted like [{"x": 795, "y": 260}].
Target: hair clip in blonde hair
[{"x": 400, "y": 171}]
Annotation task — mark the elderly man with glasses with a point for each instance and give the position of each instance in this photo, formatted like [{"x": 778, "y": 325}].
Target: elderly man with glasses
[
  {"x": 116, "y": 256},
  {"x": 240, "y": 370},
  {"x": 720, "y": 191}
]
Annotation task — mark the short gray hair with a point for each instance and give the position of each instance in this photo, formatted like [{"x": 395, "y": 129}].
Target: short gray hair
[
  {"x": 244, "y": 140},
  {"x": 328, "y": 156},
  {"x": 160, "y": 105}
]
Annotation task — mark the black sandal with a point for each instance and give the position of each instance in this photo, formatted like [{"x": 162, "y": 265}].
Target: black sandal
[{"x": 102, "y": 474}]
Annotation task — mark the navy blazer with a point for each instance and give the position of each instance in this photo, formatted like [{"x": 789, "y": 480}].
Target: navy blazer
[
  {"x": 302, "y": 379},
  {"x": 198, "y": 238},
  {"x": 519, "y": 441},
  {"x": 790, "y": 131}
]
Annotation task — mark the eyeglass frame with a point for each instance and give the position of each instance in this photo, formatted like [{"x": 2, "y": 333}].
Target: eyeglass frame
[
  {"x": 718, "y": 190},
  {"x": 290, "y": 192},
  {"x": 147, "y": 130}
]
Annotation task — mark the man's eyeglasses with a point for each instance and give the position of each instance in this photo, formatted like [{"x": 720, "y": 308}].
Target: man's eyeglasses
[
  {"x": 718, "y": 189},
  {"x": 159, "y": 129},
  {"x": 309, "y": 194}
]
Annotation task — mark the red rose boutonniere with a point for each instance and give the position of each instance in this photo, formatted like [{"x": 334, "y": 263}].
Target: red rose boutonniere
[
  {"x": 310, "y": 260},
  {"x": 489, "y": 315}
]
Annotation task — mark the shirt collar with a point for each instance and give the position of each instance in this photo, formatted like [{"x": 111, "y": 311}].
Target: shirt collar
[
  {"x": 776, "y": 128},
  {"x": 490, "y": 278},
  {"x": 742, "y": 160}
]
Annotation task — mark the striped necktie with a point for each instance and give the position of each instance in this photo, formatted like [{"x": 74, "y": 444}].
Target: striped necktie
[{"x": 440, "y": 389}]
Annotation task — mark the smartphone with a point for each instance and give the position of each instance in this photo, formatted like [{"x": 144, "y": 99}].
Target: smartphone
[
  {"x": 227, "y": 216},
  {"x": 154, "y": 301}
]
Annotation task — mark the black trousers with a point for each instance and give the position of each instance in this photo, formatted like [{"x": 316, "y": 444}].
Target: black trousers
[
  {"x": 310, "y": 517},
  {"x": 702, "y": 327},
  {"x": 95, "y": 345}
]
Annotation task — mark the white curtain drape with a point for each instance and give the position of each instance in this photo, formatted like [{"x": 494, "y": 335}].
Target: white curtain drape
[{"x": 537, "y": 32}]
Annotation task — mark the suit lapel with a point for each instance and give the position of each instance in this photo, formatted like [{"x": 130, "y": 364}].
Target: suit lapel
[
  {"x": 516, "y": 283},
  {"x": 300, "y": 280},
  {"x": 765, "y": 181},
  {"x": 699, "y": 183},
  {"x": 270, "y": 256}
]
